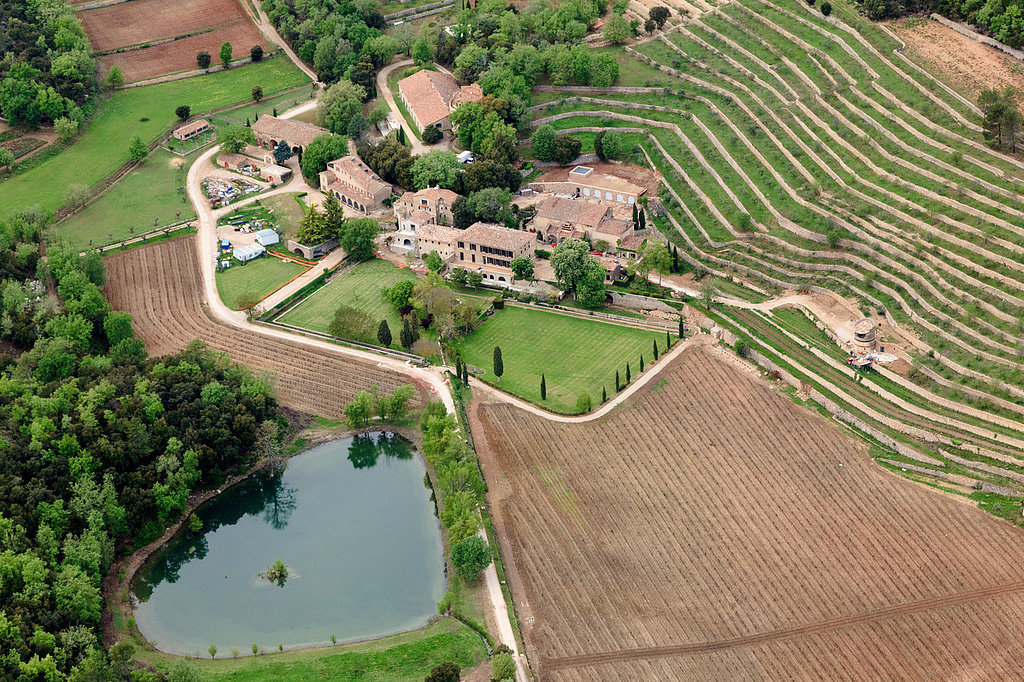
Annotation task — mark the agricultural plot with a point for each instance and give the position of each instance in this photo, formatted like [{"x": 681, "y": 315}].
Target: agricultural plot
[
  {"x": 160, "y": 285},
  {"x": 770, "y": 546},
  {"x": 148, "y": 194},
  {"x": 255, "y": 280},
  {"x": 360, "y": 288},
  {"x": 189, "y": 27},
  {"x": 575, "y": 355},
  {"x": 802, "y": 152},
  {"x": 147, "y": 112}
]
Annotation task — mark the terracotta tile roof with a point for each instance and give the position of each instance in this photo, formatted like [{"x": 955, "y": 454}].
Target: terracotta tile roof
[
  {"x": 497, "y": 237},
  {"x": 438, "y": 233},
  {"x": 431, "y": 95},
  {"x": 616, "y": 227},
  {"x": 434, "y": 193},
  {"x": 420, "y": 217},
  {"x": 236, "y": 161},
  {"x": 632, "y": 242},
  {"x": 577, "y": 211},
  {"x": 297, "y": 133},
  {"x": 351, "y": 172}
]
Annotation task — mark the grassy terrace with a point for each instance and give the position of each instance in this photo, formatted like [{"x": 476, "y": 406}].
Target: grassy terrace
[
  {"x": 576, "y": 355},
  {"x": 259, "y": 278},
  {"x": 360, "y": 288},
  {"x": 147, "y": 112}
]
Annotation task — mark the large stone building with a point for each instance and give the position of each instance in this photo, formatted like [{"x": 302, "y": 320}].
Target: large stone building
[
  {"x": 587, "y": 183},
  {"x": 489, "y": 249},
  {"x": 352, "y": 183},
  {"x": 270, "y": 130},
  {"x": 560, "y": 218},
  {"x": 430, "y": 96},
  {"x": 414, "y": 210}
]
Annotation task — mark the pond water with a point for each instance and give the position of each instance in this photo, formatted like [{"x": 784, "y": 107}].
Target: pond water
[{"x": 353, "y": 522}]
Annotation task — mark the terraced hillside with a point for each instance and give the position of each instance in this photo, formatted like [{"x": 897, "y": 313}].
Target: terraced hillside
[{"x": 807, "y": 153}]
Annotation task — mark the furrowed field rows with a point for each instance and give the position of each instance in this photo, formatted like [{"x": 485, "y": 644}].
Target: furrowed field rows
[
  {"x": 769, "y": 539},
  {"x": 159, "y": 284}
]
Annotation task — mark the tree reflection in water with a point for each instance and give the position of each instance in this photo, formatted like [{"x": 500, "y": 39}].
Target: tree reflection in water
[{"x": 366, "y": 448}]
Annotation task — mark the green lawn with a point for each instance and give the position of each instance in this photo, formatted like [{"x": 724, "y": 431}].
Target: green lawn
[
  {"x": 287, "y": 212},
  {"x": 147, "y": 112},
  {"x": 260, "y": 277},
  {"x": 282, "y": 102},
  {"x": 399, "y": 658},
  {"x": 148, "y": 192},
  {"x": 360, "y": 288},
  {"x": 575, "y": 355}
]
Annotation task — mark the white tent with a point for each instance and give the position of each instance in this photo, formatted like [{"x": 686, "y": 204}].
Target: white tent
[
  {"x": 267, "y": 237},
  {"x": 247, "y": 253}
]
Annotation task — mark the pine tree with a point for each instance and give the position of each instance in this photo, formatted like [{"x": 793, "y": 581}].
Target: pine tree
[
  {"x": 641, "y": 362},
  {"x": 655, "y": 349},
  {"x": 499, "y": 367},
  {"x": 543, "y": 387},
  {"x": 604, "y": 395},
  {"x": 384, "y": 334},
  {"x": 628, "y": 374}
]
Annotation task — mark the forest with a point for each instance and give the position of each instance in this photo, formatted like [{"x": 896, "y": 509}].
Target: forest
[
  {"x": 100, "y": 447},
  {"x": 46, "y": 71}
]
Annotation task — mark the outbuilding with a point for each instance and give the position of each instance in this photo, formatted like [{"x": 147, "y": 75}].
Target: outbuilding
[
  {"x": 247, "y": 253},
  {"x": 268, "y": 237},
  {"x": 274, "y": 173}
]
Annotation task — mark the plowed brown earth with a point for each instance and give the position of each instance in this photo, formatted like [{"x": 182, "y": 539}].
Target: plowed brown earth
[
  {"x": 159, "y": 284},
  {"x": 711, "y": 529}
]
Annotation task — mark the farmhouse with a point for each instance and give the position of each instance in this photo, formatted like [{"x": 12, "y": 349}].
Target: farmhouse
[
  {"x": 430, "y": 96},
  {"x": 559, "y": 218},
  {"x": 433, "y": 237},
  {"x": 190, "y": 130},
  {"x": 490, "y": 249},
  {"x": 354, "y": 184},
  {"x": 270, "y": 130}
]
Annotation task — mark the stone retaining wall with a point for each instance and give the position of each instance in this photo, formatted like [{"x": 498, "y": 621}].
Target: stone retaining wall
[{"x": 965, "y": 30}]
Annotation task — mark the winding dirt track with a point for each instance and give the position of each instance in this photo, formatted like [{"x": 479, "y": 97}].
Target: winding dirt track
[
  {"x": 733, "y": 535},
  {"x": 160, "y": 285}
]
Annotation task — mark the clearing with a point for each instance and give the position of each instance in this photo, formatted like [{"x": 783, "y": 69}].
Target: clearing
[
  {"x": 160, "y": 285},
  {"x": 360, "y": 288},
  {"x": 147, "y": 112},
  {"x": 150, "y": 192},
  {"x": 260, "y": 278},
  {"x": 575, "y": 354},
  {"x": 770, "y": 545},
  {"x": 189, "y": 27},
  {"x": 287, "y": 213}
]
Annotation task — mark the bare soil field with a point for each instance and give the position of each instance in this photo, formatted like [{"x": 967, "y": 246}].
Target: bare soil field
[
  {"x": 734, "y": 535},
  {"x": 159, "y": 284},
  {"x": 142, "y": 21},
  {"x": 966, "y": 65}
]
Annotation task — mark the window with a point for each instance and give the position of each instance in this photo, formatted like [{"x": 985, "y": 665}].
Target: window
[
  {"x": 472, "y": 247},
  {"x": 461, "y": 245},
  {"x": 618, "y": 198},
  {"x": 462, "y": 256},
  {"x": 473, "y": 257}
]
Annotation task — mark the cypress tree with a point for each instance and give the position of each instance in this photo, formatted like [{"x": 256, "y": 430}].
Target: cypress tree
[
  {"x": 543, "y": 387},
  {"x": 405, "y": 336},
  {"x": 465, "y": 374},
  {"x": 499, "y": 367},
  {"x": 636, "y": 220},
  {"x": 616, "y": 381},
  {"x": 384, "y": 334},
  {"x": 675, "y": 258},
  {"x": 643, "y": 219},
  {"x": 247, "y": 123},
  {"x": 682, "y": 330},
  {"x": 604, "y": 395},
  {"x": 641, "y": 362},
  {"x": 668, "y": 340},
  {"x": 655, "y": 349},
  {"x": 458, "y": 369},
  {"x": 628, "y": 375}
]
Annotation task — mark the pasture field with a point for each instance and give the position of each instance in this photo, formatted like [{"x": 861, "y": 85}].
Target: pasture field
[
  {"x": 575, "y": 355},
  {"x": 803, "y": 152},
  {"x": 360, "y": 288},
  {"x": 147, "y": 112},
  {"x": 160, "y": 286},
  {"x": 259, "y": 278},
  {"x": 770, "y": 545},
  {"x": 149, "y": 192},
  {"x": 193, "y": 25}
]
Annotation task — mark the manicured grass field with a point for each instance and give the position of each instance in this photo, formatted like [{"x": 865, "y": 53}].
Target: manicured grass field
[
  {"x": 282, "y": 102},
  {"x": 360, "y": 288},
  {"x": 147, "y": 112},
  {"x": 575, "y": 355},
  {"x": 260, "y": 277},
  {"x": 148, "y": 192},
  {"x": 399, "y": 658}
]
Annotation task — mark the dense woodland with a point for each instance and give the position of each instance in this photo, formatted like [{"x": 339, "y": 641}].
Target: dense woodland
[
  {"x": 100, "y": 447},
  {"x": 46, "y": 65}
]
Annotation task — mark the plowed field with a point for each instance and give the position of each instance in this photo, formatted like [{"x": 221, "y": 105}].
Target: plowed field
[
  {"x": 711, "y": 529},
  {"x": 207, "y": 25},
  {"x": 159, "y": 284}
]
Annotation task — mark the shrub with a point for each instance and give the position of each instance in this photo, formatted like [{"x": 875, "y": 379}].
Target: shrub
[
  {"x": 256, "y": 53},
  {"x": 503, "y": 667},
  {"x": 826, "y": 8},
  {"x": 183, "y": 112},
  {"x": 203, "y": 60},
  {"x": 470, "y": 556},
  {"x": 431, "y": 135},
  {"x": 583, "y": 402}
]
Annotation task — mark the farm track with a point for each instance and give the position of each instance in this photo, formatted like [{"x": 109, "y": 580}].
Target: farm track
[
  {"x": 160, "y": 285},
  {"x": 771, "y": 545}
]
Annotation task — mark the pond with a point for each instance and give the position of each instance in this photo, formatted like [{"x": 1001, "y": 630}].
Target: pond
[{"x": 352, "y": 520}]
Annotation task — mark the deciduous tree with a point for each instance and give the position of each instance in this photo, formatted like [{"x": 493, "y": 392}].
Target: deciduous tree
[{"x": 225, "y": 54}]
